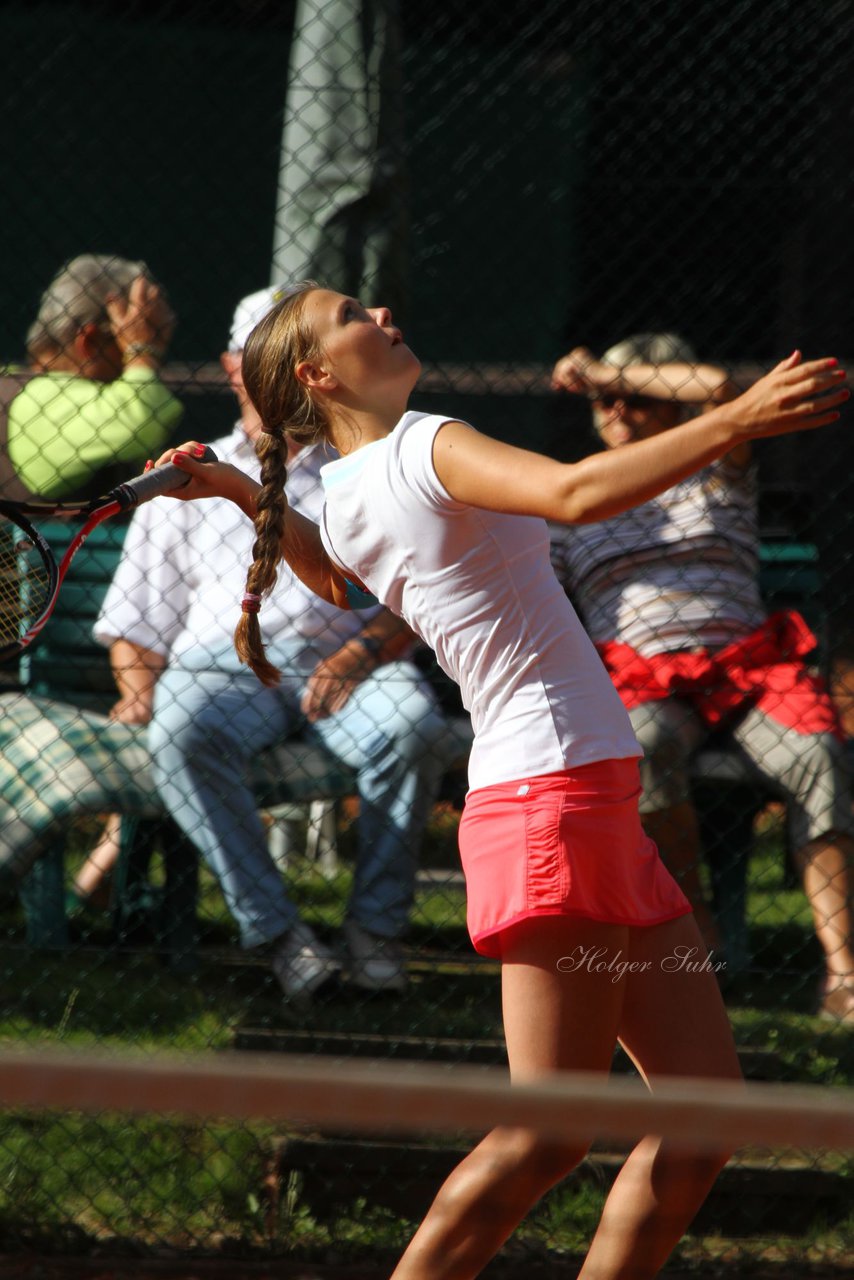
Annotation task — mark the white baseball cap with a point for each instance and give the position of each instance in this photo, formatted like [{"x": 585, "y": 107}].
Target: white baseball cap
[{"x": 252, "y": 310}]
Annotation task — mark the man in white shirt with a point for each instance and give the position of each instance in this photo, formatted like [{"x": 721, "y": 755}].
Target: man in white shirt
[{"x": 169, "y": 618}]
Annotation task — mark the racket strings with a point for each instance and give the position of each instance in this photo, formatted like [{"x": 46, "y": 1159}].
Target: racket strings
[{"x": 25, "y": 583}]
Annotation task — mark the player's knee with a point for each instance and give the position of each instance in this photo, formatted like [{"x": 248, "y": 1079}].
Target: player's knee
[
  {"x": 537, "y": 1161},
  {"x": 507, "y": 1173},
  {"x": 704, "y": 1166}
]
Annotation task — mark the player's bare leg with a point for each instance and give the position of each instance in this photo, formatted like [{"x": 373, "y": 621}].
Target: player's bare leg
[
  {"x": 553, "y": 1020},
  {"x": 673, "y": 1024}
]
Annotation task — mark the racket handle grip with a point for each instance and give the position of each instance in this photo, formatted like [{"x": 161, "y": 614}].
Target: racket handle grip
[{"x": 154, "y": 483}]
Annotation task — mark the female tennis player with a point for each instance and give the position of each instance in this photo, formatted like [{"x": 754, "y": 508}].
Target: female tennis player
[{"x": 447, "y": 528}]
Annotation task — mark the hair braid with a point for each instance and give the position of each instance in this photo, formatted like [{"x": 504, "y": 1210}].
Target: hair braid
[
  {"x": 287, "y": 411},
  {"x": 271, "y": 509}
]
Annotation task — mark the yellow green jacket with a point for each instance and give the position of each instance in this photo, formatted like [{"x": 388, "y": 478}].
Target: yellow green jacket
[{"x": 63, "y": 428}]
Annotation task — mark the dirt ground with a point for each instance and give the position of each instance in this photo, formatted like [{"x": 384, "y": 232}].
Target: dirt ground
[
  {"x": 16, "y": 1267},
  {"x": 46, "y": 1268}
]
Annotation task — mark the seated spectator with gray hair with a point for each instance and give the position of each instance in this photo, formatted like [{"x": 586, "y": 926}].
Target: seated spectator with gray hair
[
  {"x": 92, "y": 406},
  {"x": 669, "y": 592}
]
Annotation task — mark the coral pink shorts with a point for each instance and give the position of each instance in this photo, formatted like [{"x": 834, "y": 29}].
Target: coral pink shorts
[{"x": 568, "y": 844}]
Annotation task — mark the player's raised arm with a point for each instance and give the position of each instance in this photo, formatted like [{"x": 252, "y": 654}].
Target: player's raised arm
[{"x": 486, "y": 473}]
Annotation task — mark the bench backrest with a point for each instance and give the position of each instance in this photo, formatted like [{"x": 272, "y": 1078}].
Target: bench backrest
[{"x": 66, "y": 663}]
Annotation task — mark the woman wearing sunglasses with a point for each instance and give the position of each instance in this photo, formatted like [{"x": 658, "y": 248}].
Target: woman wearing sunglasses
[{"x": 669, "y": 592}]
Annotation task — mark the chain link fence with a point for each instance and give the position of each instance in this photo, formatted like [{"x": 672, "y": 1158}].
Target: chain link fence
[{"x": 515, "y": 184}]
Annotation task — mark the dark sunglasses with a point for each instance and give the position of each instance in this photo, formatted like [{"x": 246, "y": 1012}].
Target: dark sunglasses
[{"x": 631, "y": 402}]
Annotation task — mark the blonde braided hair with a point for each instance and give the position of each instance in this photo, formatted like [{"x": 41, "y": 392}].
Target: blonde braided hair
[{"x": 273, "y": 350}]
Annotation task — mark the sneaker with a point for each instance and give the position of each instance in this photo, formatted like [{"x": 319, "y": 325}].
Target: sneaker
[
  {"x": 373, "y": 963},
  {"x": 301, "y": 963}
]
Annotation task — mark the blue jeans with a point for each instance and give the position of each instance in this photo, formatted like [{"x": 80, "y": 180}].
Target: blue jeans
[{"x": 208, "y": 724}]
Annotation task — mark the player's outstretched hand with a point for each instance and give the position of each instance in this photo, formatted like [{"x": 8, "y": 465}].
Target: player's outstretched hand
[
  {"x": 797, "y": 395},
  {"x": 209, "y": 479}
]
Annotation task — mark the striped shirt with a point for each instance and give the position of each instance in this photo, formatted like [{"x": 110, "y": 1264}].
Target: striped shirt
[{"x": 680, "y": 572}]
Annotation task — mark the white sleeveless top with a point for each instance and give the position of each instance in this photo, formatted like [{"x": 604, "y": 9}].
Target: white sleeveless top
[{"x": 478, "y": 587}]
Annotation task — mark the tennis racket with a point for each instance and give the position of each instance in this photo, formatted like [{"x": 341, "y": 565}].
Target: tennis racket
[{"x": 30, "y": 578}]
